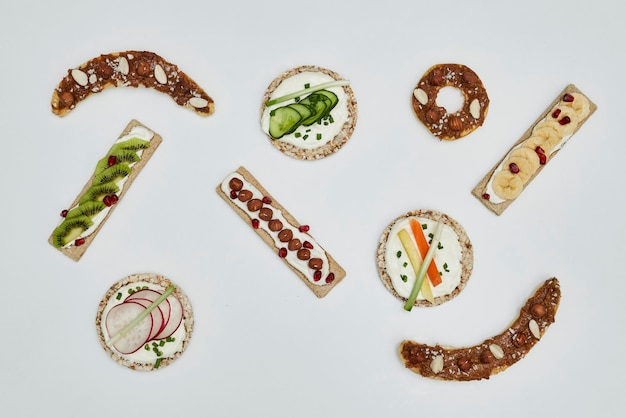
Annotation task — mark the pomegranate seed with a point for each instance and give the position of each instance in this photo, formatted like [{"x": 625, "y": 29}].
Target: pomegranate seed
[
  {"x": 486, "y": 196},
  {"x": 307, "y": 244},
  {"x": 564, "y": 120},
  {"x": 112, "y": 160},
  {"x": 539, "y": 150},
  {"x": 317, "y": 275},
  {"x": 64, "y": 213},
  {"x": 107, "y": 200},
  {"x": 568, "y": 98},
  {"x": 330, "y": 277},
  {"x": 543, "y": 159},
  {"x": 514, "y": 168},
  {"x": 266, "y": 200},
  {"x": 114, "y": 198},
  {"x": 556, "y": 113},
  {"x": 255, "y": 223},
  {"x": 79, "y": 242},
  {"x": 282, "y": 253},
  {"x": 233, "y": 194},
  {"x": 303, "y": 228}
]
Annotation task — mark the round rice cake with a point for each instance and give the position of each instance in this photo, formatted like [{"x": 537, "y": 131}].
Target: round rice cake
[
  {"x": 455, "y": 260},
  {"x": 319, "y": 139},
  {"x": 173, "y": 317}
]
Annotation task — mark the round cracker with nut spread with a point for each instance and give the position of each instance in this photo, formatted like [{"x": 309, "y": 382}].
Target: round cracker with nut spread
[
  {"x": 314, "y": 123},
  {"x": 454, "y": 257},
  {"x": 440, "y": 122},
  {"x": 159, "y": 335}
]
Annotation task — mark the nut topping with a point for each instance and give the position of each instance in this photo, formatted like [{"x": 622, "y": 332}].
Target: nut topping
[
  {"x": 80, "y": 77},
  {"x": 487, "y": 357},
  {"x": 285, "y": 235},
  {"x": 254, "y": 205},
  {"x": 198, "y": 102},
  {"x": 464, "y": 364},
  {"x": 497, "y": 351},
  {"x": 436, "y": 365},
  {"x": 266, "y": 214},
  {"x": 421, "y": 96},
  {"x": 518, "y": 339},
  {"x": 159, "y": 74},
  {"x": 303, "y": 254},
  {"x": 455, "y": 123},
  {"x": 433, "y": 116},
  {"x": 122, "y": 66},
  {"x": 294, "y": 244},
  {"x": 316, "y": 263},
  {"x": 534, "y": 329},
  {"x": 275, "y": 225},
  {"x": 66, "y": 99},
  {"x": 143, "y": 69},
  {"x": 474, "y": 108},
  {"x": 538, "y": 310},
  {"x": 235, "y": 184}
]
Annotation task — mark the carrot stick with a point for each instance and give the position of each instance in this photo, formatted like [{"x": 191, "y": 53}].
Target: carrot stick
[{"x": 422, "y": 245}]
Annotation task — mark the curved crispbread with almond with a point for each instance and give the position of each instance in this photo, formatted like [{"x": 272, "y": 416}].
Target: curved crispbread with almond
[
  {"x": 467, "y": 256},
  {"x": 157, "y": 281},
  {"x": 494, "y": 354},
  {"x": 333, "y": 145}
]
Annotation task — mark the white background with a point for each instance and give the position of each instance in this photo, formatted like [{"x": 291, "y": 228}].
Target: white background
[{"x": 264, "y": 345}]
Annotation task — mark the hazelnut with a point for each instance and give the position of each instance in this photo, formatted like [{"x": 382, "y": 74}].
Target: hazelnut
[
  {"x": 470, "y": 78},
  {"x": 266, "y": 214},
  {"x": 538, "y": 310},
  {"x": 455, "y": 123},
  {"x": 66, "y": 99},
  {"x": 433, "y": 116},
  {"x": 487, "y": 357},
  {"x": 294, "y": 244},
  {"x": 436, "y": 77},
  {"x": 104, "y": 70},
  {"x": 245, "y": 195},
  {"x": 254, "y": 205},
  {"x": 182, "y": 86},
  {"x": 315, "y": 263},
  {"x": 518, "y": 339},
  {"x": 143, "y": 68},
  {"x": 275, "y": 225},
  {"x": 285, "y": 235},
  {"x": 418, "y": 355},
  {"x": 235, "y": 184},
  {"x": 464, "y": 364},
  {"x": 303, "y": 254}
]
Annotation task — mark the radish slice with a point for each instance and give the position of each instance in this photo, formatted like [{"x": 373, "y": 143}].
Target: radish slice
[
  {"x": 121, "y": 315},
  {"x": 157, "y": 316},
  {"x": 153, "y": 295},
  {"x": 176, "y": 317}
]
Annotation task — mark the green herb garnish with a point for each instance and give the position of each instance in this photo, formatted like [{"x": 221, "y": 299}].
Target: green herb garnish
[
  {"x": 119, "y": 296},
  {"x": 445, "y": 267},
  {"x": 404, "y": 278},
  {"x": 405, "y": 264},
  {"x": 318, "y": 136},
  {"x": 157, "y": 363},
  {"x": 399, "y": 254}
]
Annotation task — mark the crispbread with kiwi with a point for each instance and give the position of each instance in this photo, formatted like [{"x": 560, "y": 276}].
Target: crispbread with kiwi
[
  {"x": 162, "y": 283},
  {"x": 482, "y": 192},
  {"x": 333, "y": 272},
  {"x": 75, "y": 252},
  {"x": 467, "y": 256},
  {"x": 333, "y": 145}
]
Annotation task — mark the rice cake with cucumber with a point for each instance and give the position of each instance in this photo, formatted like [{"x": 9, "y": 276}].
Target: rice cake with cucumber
[
  {"x": 406, "y": 242},
  {"x": 144, "y": 321},
  {"x": 111, "y": 179},
  {"x": 309, "y": 112}
]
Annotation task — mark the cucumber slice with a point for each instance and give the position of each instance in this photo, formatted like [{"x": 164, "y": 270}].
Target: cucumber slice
[
  {"x": 333, "y": 101},
  {"x": 319, "y": 103},
  {"x": 283, "y": 120},
  {"x": 303, "y": 110}
]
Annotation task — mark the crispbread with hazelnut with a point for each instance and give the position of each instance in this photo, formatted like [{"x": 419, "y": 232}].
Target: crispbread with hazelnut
[
  {"x": 290, "y": 240},
  {"x": 536, "y": 147},
  {"x": 133, "y": 69},
  {"x": 494, "y": 354}
]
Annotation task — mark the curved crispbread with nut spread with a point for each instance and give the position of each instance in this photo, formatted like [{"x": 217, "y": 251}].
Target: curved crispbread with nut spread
[
  {"x": 133, "y": 69},
  {"x": 162, "y": 283},
  {"x": 338, "y": 141},
  {"x": 467, "y": 257},
  {"x": 493, "y": 355},
  {"x": 319, "y": 287}
]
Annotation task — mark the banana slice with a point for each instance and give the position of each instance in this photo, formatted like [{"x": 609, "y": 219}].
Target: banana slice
[
  {"x": 524, "y": 166},
  {"x": 580, "y": 104},
  {"x": 529, "y": 155},
  {"x": 507, "y": 185},
  {"x": 550, "y": 134},
  {"x": 560, "y": 115},
  {"x": 533, "y": 142}
]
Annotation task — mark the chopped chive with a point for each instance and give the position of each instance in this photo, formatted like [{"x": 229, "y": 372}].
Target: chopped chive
[
  {"x": 424, "y": 226},
  {"x": 404, "y": 278},
  {"x": 157, "y": 364},
  {"x": 305, "y": 137},
  {"x": 308, "y": 130},
  {"x": 307, "y": 85},
  {"x": 325, "y": 123},
  {"x": 297, "y": 134},
  {"x": 161, "y": 343},
  {"x": 154, "y": 344},
  {"x": 445, "y": 267},
  {"x": 439, "y": 246},
  {"x": 405, "y": 264},
  {"x": 330, "y": 119},
  {"x": 146, "y": 347},
  {"x": 318, "y": 136},
  {"x": 131, "y": 291},
  {"x": 119, "y": 296},
  {"x": 399, "y": 254}
]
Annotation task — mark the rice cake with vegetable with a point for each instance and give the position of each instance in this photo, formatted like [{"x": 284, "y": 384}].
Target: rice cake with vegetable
[{"x": 309, "y": 112}]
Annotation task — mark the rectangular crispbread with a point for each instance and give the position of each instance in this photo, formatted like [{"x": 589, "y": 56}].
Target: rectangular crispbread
[
  {"x": 320, "y": 290},
  {"x": 481, "y": 187},
  {"x": 76, "y": 252}
]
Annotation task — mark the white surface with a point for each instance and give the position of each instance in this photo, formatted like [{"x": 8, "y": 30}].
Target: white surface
[{"x": 263, "y": 344}]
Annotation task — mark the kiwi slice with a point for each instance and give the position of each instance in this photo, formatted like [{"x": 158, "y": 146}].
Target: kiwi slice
[
  {"x": 98, "y": 191},
  {"x": 132, "y": 144},
  {"x": 113, "y": 173},
  {"x": 70, "y": 229},
  {"x": 89, "y": 208}
]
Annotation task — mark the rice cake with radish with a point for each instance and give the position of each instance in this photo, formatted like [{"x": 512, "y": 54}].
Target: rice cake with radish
[{"x": 137, "y": 337}]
